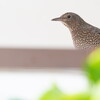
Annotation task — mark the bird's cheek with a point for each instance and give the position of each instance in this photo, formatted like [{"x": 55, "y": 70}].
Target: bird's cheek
[
  {"x": 65, "y": 24},
  {"x": 64, "y": 20}
]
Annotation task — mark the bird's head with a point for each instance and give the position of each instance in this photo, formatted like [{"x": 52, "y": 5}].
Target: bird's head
[{"x": 71, "y": 20}]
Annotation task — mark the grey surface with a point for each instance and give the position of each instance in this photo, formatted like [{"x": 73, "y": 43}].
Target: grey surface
[{"x": 41, "y": 58}]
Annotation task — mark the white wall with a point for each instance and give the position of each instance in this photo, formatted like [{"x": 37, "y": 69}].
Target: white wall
[
  {"x": 32, "y": 85},
  {"x": 27, "y": 23}
]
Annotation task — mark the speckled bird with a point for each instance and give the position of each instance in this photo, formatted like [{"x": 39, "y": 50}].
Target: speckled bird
[{"x": 83, "y": 34}]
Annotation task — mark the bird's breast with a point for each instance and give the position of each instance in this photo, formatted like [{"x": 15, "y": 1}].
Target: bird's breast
[{"x": 85, "y": 39}]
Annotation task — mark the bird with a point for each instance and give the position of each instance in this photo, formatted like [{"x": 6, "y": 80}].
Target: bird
[{"x": 84, "y": 35}]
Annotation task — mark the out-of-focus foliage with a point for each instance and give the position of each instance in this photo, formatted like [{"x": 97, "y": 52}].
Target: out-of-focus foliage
[
  {"x": 92, "y": 66},
  {"x": 52, "y": 94},
  {"x": 56, "y": 94}
]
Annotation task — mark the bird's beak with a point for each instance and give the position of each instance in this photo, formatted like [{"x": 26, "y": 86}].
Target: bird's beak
[{"x": 57, "y": 19}]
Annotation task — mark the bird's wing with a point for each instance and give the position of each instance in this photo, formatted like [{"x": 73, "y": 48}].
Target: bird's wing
[{"x": 95, "y": 30}]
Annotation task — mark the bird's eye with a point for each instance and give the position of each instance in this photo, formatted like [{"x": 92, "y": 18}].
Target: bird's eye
[{"x": 68, "y": 16}]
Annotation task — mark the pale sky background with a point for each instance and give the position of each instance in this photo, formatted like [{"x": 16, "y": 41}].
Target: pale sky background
[{"x": 27, "y": 23}]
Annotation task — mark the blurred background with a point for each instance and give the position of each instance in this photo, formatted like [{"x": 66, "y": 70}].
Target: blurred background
[{"x": 27, "y": 24}]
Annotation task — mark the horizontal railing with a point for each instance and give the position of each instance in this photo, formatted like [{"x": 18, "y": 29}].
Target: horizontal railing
[{"x": 41, "y": 58}]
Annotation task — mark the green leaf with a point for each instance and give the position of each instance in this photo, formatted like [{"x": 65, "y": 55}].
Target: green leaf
[
  {"x": 53, "y": 94},
  {"x": 56, "y": 94},
  {"x": 92, "y": 66}
]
